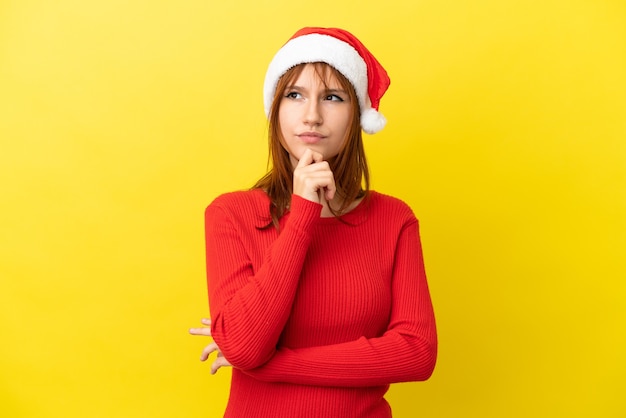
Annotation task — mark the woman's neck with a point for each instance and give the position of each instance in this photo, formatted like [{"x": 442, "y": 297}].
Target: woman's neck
[{"x": 336, "y": 204}]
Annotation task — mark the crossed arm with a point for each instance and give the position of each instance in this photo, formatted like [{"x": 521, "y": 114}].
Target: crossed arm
[{"x": 405, "y": 352}]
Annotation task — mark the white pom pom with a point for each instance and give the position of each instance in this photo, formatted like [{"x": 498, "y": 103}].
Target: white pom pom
[{"x": 372, "y": 121}]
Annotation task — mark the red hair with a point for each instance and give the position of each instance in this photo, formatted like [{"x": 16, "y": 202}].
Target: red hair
[{"x": 349, "y": 167}]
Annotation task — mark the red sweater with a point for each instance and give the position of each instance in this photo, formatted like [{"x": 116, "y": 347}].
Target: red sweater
[{"x": 319, "y": 318}]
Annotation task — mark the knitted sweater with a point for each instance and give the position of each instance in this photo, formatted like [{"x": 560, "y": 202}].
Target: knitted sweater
[{"x": 319, "y": 317}]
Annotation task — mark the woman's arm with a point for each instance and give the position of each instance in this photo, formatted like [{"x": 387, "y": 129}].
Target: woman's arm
[
  {"x": 407, "y": 351},
  {"x": 249, "y": 309}
]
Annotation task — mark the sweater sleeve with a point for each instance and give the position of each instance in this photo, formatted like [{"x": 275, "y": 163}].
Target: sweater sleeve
[
  {"x": 241, "y": 323},
  {"x": 407, "y": 351}
]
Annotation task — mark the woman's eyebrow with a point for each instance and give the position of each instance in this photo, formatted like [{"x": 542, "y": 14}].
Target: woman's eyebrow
[
  {"x": 325, "y": 91},
  {"x": 335, "y": 91}
]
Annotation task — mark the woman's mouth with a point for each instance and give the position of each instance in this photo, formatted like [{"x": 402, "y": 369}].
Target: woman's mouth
[{"x": 310, "y": 137}]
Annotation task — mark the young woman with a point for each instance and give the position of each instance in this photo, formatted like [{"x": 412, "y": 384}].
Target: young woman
[{"x": 317, "y": 290}]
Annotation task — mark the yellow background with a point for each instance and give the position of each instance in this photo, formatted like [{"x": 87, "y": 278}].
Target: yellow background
[{"x": 121, "y": 120}]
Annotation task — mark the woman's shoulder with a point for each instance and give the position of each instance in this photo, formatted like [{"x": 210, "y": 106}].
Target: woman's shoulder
[
  {"x": 388, "y": 201},
  {"x": 388, "y": 205},
  {"x": 254, "y": 200}
]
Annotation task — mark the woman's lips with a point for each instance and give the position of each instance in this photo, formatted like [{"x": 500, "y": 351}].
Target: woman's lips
[{"x": 310, "y": 137}]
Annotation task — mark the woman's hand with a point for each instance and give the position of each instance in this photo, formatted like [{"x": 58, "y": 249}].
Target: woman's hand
[
  {"x": 220, "y": 361},
  {"x": 312, "y": 177}
]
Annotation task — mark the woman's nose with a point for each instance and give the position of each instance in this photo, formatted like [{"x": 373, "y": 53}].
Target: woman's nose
[{"x": 313, "y": 115}]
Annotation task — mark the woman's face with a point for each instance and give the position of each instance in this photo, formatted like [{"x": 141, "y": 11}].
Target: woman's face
[{"x": 313, "y": 114}]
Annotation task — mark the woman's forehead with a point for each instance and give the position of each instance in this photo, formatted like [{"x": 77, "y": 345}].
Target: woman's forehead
[{"x": 319, "y": 72}]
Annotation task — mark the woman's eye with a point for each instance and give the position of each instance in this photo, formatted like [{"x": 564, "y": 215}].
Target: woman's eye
[
  {"x": 293, "y": 95},
  {"x": 334, "y": 98}
]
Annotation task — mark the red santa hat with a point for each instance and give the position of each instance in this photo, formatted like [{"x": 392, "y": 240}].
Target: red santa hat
[{"x": 344, "y": 52}]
